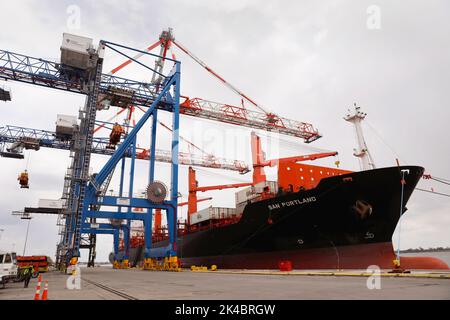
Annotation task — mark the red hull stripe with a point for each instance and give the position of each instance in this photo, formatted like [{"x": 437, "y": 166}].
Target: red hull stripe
[{"x": 345, "y": 257}]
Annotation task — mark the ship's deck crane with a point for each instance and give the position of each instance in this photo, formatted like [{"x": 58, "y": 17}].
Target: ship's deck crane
[{"x": 259, "y": 161}]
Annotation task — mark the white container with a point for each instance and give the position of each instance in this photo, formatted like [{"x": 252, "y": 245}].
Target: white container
[
  {"x": 251, "y": 193},
  {"x": 75, "y": 51},
  {"x": 65, "y": 125},
  {"x": 259, "y": 188},
  {"x": 137, "y": 225},
  {"x": 212, "y": 214},
  {"x": 240, "y": 208},
  {"x": 246, "y": 194},
  {"x": 50, "y": 204}
]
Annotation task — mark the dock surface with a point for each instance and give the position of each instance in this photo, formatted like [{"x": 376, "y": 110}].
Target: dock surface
[{"x": 107, "y": 284}]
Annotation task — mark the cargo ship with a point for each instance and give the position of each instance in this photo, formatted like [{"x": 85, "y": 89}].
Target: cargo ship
[{"x": 314, "y": 217}]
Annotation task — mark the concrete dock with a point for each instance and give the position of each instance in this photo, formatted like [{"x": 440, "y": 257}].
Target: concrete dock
[{"x": 107, "y": 284}]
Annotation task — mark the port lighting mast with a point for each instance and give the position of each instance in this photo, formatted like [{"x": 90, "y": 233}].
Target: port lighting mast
[{"x": 362, "y": 152}]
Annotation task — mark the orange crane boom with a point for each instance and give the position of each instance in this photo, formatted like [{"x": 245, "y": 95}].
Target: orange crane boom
[{"x": 183, "y": 204}]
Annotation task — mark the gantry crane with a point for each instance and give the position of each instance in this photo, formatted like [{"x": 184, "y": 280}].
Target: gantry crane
[
  {"x": 85, "y": 192},
  {"x": 82, "y": 188}
]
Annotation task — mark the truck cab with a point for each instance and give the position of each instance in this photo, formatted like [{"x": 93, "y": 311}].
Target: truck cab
[{"x": 8, "y": 266}]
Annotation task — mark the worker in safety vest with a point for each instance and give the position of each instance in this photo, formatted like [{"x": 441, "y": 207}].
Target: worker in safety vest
[{"x": 27, "y": 272}]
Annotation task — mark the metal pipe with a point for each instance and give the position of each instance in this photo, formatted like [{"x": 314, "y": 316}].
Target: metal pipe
[
  {"x": 26, "y": 237},
  {"x": 148, "y": 224},
  {"x": 130, "y": 195}
]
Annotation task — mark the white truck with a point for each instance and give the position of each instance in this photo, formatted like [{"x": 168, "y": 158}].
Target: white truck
[{"x": 8, "y": 267}]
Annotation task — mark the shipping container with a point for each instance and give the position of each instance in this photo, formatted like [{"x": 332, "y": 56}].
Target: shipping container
[
  {"x": 254, "y": 192},
  {"x": 212, "y": 214}
]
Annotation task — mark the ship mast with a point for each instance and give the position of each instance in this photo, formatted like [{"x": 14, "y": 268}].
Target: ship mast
[{"x": 362, "y": 152}]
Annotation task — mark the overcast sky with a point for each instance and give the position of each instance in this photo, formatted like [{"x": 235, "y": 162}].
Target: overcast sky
[{"x": 305, "y": 60}]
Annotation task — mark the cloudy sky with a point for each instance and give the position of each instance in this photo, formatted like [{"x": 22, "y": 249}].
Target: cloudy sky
[{"x": 305, "y": 60}]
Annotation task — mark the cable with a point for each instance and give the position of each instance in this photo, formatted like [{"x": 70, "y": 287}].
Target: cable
[
  {"x": 222, "y": 80},
  {"x": 438, "y": 193},
  {"x": 441, "y": 181},
  {"x": 190, "y": 144},
  {"x": 382, "y": 140},
  {"x": 446, "y": 180},
  {"x": 28, "y": 160}
]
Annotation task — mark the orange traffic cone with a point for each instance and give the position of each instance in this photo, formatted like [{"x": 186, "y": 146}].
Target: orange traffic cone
[
  {"x": 37, "y": 294},
  {"x": 44, "y": 294}
]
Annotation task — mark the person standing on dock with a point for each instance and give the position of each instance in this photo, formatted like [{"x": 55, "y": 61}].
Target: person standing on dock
[{"x": 27, "y": 272}]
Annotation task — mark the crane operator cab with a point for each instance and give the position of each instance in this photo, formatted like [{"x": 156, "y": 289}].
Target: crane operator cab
[
  {"x": 23, "y": 180},
  {"x": 115, "y": 136}
]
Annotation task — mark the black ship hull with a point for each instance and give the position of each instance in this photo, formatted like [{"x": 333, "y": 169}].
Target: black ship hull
[{"x": 346, "y": 222}]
